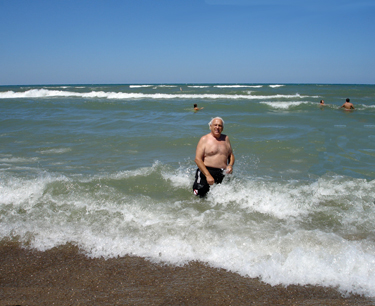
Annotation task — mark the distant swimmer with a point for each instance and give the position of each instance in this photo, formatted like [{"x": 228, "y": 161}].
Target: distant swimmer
[
  {"x": 214, "y": 158},
  {"x": 322, "y": 102},
  {"x": 347, "y": 105},
  {"x": 196, "y": 108}
]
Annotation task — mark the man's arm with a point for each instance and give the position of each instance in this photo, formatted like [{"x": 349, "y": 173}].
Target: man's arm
[
  {"x": 231, "y": 158},
  {"x": 199, "y": 160},
  {"x": 230, "y": 163}
]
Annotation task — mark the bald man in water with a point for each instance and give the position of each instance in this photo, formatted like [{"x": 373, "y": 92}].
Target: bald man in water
[{"x": 214, "y": 158}]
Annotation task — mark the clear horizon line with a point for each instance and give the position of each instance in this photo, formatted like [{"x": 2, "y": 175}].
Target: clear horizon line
[{"x": 186, "y": 83}]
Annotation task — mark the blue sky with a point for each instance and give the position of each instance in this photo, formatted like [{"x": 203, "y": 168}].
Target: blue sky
[{"x": 187, "y": 41}]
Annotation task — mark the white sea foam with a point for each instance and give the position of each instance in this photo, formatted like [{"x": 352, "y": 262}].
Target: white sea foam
[
  {"x": 42, "y": 93},
  {"x": 24, "y": 192},
  {"x": 18, "y": 160},
  {"x": 140, "y": 86},
  {"x": 56, "y": 151},
  {"x": 284, "y": 105},
  {"x": 276, "y": 86},
  {"x": 234, "y": 86},
  {"x": 276, "y": 231},
  {"x": 180, "y": 178},
  {"x": 145, "y": 171},
  {"x": 146, "y": 86}
]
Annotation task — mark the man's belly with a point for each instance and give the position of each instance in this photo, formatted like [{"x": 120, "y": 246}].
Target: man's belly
[{"x": 216, "y": 162}]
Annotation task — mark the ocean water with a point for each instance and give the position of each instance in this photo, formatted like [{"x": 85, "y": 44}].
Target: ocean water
[{"x": 110, "y": 168}]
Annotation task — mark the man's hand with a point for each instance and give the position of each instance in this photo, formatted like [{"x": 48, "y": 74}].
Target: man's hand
[
  {"x": 210, "y": 179},
  {"x": 229, "y": 169}
]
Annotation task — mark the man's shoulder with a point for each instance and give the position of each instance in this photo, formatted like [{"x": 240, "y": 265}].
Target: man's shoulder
[{"x": 204, "y": 138}]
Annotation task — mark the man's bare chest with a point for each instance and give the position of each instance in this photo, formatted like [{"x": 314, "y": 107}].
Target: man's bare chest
[{"x": 216, "y": 148}]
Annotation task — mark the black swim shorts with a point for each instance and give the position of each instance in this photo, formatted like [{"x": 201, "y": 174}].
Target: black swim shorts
[{"x": 200, "y": 186}]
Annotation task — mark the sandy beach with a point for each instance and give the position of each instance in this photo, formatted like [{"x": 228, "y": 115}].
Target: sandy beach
[{"x": 63, "y": 276}]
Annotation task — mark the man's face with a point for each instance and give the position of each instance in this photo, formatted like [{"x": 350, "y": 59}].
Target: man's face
[{"x": 216, "y": 127}]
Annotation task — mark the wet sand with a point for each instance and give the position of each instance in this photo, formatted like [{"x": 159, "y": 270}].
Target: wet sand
[{"x": 63, "y": 276}]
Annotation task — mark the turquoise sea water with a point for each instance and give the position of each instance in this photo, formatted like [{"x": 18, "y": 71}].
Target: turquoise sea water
[{"x": 110, "y": 169}]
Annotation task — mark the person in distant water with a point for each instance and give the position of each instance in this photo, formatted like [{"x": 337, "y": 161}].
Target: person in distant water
[
  {"x": 321, "y": 102},
  {"x": 214, "y": 158},
  {"x": 196, "y": 108},
  {"x": 347, "y": 105}
]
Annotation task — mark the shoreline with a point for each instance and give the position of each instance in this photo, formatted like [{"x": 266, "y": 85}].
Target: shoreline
[{"x": 64, "y": 276}]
